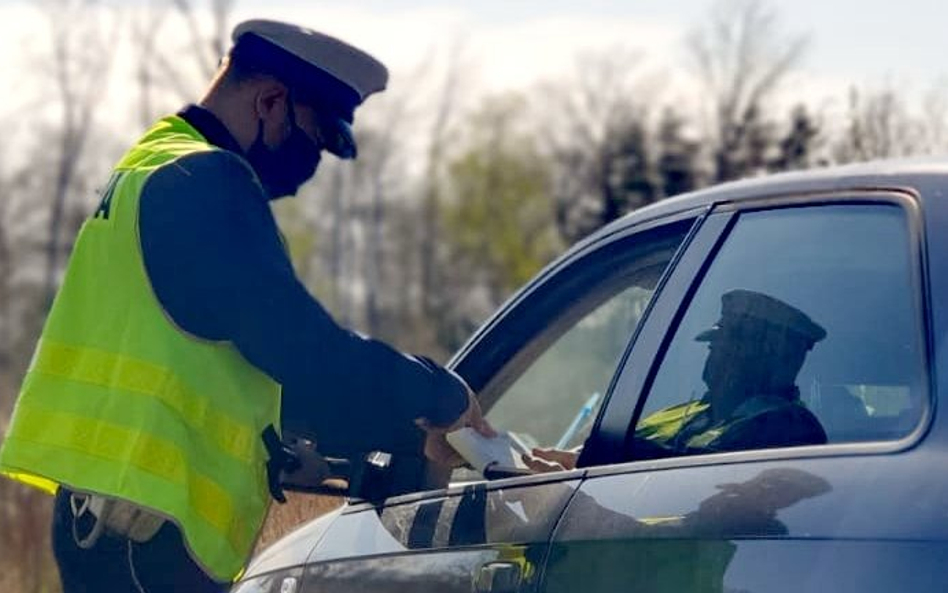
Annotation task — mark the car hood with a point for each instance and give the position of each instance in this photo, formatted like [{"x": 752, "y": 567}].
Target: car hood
[{"x": 292, "y": 549}]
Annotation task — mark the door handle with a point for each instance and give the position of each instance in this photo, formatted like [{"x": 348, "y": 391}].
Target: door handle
[{"x": 497, "y": 577}]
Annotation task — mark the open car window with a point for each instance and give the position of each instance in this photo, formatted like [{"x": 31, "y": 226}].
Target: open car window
[
  {"x": 805, "y": 330},
  {"x": 568, "y": 380},
  {"x": 548, "y": 390}
]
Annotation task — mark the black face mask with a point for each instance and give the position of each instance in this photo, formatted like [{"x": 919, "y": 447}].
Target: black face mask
[{"x": 284, "y": 169}]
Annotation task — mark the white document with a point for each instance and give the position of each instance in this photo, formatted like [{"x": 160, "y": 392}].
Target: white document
[{"x": 504, "y": 449}]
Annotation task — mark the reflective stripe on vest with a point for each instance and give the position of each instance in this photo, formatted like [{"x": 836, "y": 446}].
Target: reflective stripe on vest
[
  {"x": 665, "y": 426},
  {"x": 120, "y": 402}
]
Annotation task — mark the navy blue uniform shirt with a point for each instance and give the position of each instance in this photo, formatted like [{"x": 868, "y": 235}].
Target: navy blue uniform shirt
[{"x": 217, "y": 264}]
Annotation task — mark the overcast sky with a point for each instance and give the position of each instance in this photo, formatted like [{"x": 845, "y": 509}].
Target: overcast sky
[
  {"x": 513, "y": 43},
  {"x": 856, "y": 40}
]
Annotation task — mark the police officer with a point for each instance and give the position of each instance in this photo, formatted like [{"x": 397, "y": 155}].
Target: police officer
[
  {"x": 181, "y": 334},
  {"x": 755, "y": 351}
]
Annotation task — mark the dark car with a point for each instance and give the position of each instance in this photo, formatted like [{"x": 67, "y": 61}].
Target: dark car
[{"x": 852, "y": 263}]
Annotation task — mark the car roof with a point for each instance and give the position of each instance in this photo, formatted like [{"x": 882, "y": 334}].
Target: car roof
[
  {"x": 916, "y": 174},
  {"x": 890, "y": 174}
]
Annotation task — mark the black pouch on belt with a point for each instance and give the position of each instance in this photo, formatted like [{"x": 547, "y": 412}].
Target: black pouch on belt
[{"x": 282, "y": 459}]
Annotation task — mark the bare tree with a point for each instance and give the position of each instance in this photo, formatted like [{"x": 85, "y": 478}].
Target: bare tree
[
  {"x": 741, "y": 55},
  {"x": 80, "y": 66},
  {"x": 878, "y": 125},
  {"x": 6, "y": 319},
  {"x": 207, "y": 49},
  {"x": 597, "y": 132},
  {"x": 446, "y": 99},
  {"x": 384, "y": 255},
  {"x": 208, "y": 31},
  {"x": 380, "y": 218},
  {"x": 934, "y": 117},
  {"x": 24, "y": 219},
  {"x": 337, "y": 249},
  {"x": 379, "y": 151},
  {"x": 146, "y": 25},
  {"x": 73, "y": 80}
]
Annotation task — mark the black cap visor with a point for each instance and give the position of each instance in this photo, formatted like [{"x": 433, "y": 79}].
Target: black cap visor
[{"x": 337, "y": 137}]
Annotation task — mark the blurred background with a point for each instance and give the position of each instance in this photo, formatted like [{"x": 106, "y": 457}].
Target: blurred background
[{"x": 510, "y": 130}]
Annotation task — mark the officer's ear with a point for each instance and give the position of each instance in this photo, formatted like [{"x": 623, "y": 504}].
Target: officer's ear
[
  {"x": 270, "y": 108},
  {"x": 270, "y": 101}
]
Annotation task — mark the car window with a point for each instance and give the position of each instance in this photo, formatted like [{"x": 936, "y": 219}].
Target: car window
[
  {"x": 569, "y": 379},
  {"x": 549, "y": 390},
  {"x": 804, "y": 330}
]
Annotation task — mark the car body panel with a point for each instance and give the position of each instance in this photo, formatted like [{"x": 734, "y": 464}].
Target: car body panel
[
  {"x": 653, "y": 335},
  {"x": 739, "y": 521},
  {"x": 440, "y": 543},
  {"x": 729, "y": 525},
  {"x": 294, "y": 548},
  {"x": 866, "y": 516},
  {"x": 612, "y": 425}
]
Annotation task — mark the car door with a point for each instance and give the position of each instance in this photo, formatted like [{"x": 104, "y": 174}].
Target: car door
[
  {"x": 548, "y": 354},
  {"x": 858, "y": 512}
]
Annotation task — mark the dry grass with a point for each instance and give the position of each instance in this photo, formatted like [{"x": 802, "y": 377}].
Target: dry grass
[
  {"x": 26, "y": 560},
  {"x": 299, "y": 509}
]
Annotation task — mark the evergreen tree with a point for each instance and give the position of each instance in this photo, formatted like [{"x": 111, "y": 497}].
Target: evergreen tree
[
  {"x": 758, "y": 144},
  {"x": 630, "y": 181},
  {"x": 677, "y": 167},
  {"x": 797, "y": 147},
  {"x": 741, "y": 55}
]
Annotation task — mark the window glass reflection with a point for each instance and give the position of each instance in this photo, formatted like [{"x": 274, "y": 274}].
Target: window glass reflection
[{"x": 804, "y": 330}]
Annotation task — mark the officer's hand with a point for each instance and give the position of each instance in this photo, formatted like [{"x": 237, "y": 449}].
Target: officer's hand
[
  {"x": 437, "y": 447},
  {"x": 550, "y": 460}
]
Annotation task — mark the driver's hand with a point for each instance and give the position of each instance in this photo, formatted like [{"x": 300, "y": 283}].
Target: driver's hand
[
  {"x": 438, "y": 449},
  {"x": 550, "y": 460}
]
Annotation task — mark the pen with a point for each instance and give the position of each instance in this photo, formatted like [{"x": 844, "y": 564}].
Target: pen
[{"x": 582, "y": 415}]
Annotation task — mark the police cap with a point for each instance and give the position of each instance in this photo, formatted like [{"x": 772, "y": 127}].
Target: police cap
[
  {"x": 746, "y": 308},
  {"x": 330, "y": 74}
]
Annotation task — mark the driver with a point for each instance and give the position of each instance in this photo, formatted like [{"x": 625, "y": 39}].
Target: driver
[{"x": 755, "y": 351}]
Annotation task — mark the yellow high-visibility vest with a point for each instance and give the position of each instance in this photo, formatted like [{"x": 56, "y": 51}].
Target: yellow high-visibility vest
[
  {"x": 120, "y": 402},
  {"x": 664, "y": 426}
]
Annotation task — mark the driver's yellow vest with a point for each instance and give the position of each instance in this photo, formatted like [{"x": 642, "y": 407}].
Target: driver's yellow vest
[
  {"x": 665, "y": 427},
  {"x": 119, "y": 401}
]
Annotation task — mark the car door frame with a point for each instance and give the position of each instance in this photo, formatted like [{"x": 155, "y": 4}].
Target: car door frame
[
  {"x": 362, "y": 516},
  {"x": 507, "y": 320},
  {"x": 848, "y": 467},
  {"x": 631, "y": 385},
  {"x": 494, "y": 341},
  {"x": 491, "y": 346}
]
